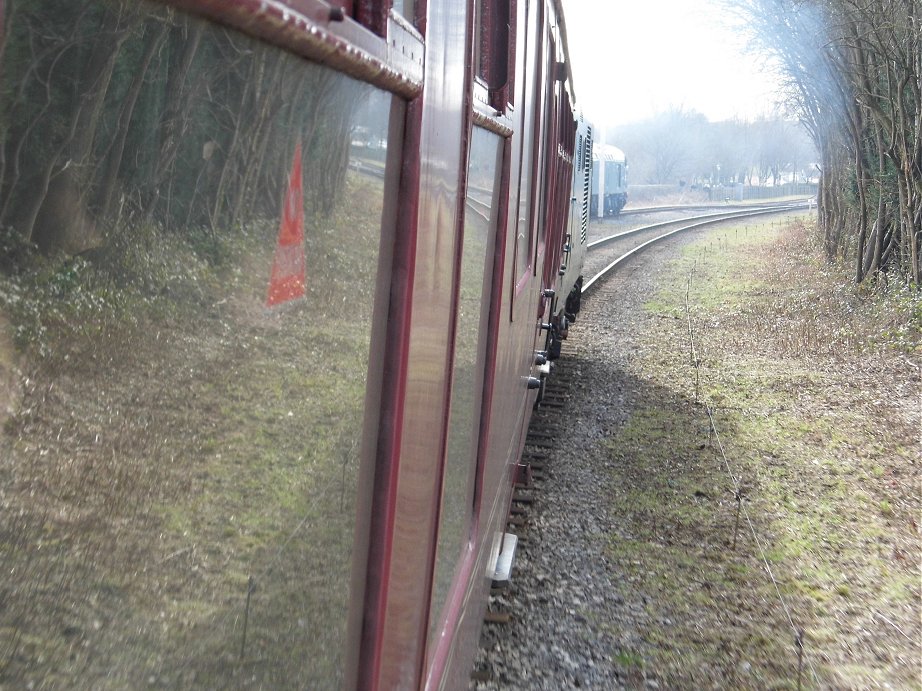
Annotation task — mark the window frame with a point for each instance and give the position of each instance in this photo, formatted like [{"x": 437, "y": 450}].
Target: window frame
[
  {"x": 380, "y": 48},
  {"x": 392, "y": 62}
]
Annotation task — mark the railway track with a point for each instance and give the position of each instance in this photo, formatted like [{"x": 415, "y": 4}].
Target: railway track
[
  {"x": 478, "y": 206},
  {"x": 550, "y": 438},
  {"x": 607, "y": 253},
  {"x": 688, "y": 207}
]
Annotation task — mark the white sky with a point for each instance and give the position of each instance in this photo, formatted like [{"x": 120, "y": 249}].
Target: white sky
[{"x": 634, "y": 58}]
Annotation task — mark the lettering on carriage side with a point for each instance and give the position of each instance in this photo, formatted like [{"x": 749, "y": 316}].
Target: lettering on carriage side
[
  {"x": 562, "y": 153},
  {"x": 288, "y": 277}
]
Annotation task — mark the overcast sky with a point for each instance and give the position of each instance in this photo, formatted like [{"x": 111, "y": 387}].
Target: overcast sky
[{"x": 635, "y": 58}]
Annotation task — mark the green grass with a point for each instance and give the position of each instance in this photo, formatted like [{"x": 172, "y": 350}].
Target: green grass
[
  {"x": 174, "y": 438},
  {"x": 771, "y": 334}
]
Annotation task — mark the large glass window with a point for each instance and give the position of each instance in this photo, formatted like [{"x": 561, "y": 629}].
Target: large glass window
[
  {"x": 527, "y": 195},
  {"x": 472, "y": 317},
  {"x": 190, "y": 224}
]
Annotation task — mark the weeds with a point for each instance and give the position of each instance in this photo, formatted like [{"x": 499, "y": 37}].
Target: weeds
[
  {"x": 813, "y": 400},
  {"x": 171, "y": 439}
]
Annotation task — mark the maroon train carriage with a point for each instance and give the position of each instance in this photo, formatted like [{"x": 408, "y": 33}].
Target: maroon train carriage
[
  {"x": 273, "y": 276},
  {"x": 575, "y": 242}
]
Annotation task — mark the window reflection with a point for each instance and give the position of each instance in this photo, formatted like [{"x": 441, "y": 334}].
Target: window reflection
[
  {"x": 469, "y": 362},
  {"x": 405, "y": 8},
  {"x": 180, "y": 449}
]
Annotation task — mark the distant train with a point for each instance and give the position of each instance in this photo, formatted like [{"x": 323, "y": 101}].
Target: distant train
[
  {"x": 280, "y": 284},
  {"x": 609, "y": 180}
]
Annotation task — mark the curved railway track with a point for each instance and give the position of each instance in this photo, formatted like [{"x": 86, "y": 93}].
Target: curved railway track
[
  {"x": 517, "y": 614},
  {"x": 607, "y": 253},
  {"x": 697, "y": 207},
  {"x": 479, "y": 207}
]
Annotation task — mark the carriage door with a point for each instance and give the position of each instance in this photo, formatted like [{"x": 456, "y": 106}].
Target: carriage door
[
  {"x": 472, "y": 313},
  {"x": 479, "y": 273}
]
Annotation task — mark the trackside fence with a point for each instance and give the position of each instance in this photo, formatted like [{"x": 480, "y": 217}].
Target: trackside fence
[{"x": 644, "y": 195}]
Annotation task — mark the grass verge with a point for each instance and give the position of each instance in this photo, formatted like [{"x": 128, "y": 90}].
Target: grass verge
[
  {"x": 167, "y": 437},
  {"x": 812, "y": 385}
]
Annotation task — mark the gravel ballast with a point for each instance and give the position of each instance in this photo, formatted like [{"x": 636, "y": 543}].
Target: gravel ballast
[
  {"x": 732, "y": 489},
  {"x": 571, "y": 613}
]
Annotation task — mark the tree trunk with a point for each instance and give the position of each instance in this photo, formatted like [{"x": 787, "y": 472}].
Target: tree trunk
[
  {"x": 175, "y": 113},
  {"x": 114, "y": 163},
  {"x": 230, "y": 158},
  {"x": 260, "y": 131},
  {"x": 5, "y": 22},
  {"x": 20, "y": 204},
  {"x": 63, "y": 222},
  {"x": 881, "y": 222},
  {"x": 857, "y": 127}
]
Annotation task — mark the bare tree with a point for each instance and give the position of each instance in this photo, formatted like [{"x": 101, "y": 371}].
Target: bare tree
[{"x": 855, "y": 77}]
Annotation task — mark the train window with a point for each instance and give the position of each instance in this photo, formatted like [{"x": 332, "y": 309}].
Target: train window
[
  {"x": 192, "y": 223},
  {"x": 547, "y": 153},
  {"x": 373, "y": 14},
  {"x": 495, "y": 50},
  {"x": 472, "y": 314},
  {"x": 405, "y": 8}
]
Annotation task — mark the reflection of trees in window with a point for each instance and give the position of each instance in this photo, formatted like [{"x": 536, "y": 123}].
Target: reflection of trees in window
[
  {"x": 183, "y": 409},
  {"x": 470, "y": 353},
  {"x": 115, "y": 114}
]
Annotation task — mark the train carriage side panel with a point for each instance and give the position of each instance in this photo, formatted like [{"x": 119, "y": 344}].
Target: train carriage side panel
[
  {"x": 517, "y": 335},
  {"x": 459, "y": 589},
  {"x": 506, "y": 414},
  {"x": 313, "y": 318},
  {"x": 422, "y": 440},
  {"x": 459, "y": 580},
  {"x": 578, "y": 221},
  {"x": 508, "y": 364}
]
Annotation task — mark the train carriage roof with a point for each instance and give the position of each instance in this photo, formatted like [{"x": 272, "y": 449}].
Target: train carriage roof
[{"x": 607, "y": 152}]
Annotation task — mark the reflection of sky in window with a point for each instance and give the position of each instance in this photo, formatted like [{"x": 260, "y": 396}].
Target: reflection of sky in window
[
  {"x": 368, "y": 126},
  {"x": 633, "y": 59}
]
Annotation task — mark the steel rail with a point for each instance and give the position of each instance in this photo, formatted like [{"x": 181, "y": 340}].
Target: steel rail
[
  {"x": 687, "y": 207},
  {"x": 479, "y": 207},
  {"x": 589, "y": 285},
  {"x": 722, "y": 215}
]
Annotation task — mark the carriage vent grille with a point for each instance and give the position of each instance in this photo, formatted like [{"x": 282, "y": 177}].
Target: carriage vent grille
[{"x": 587, "y": 174}]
